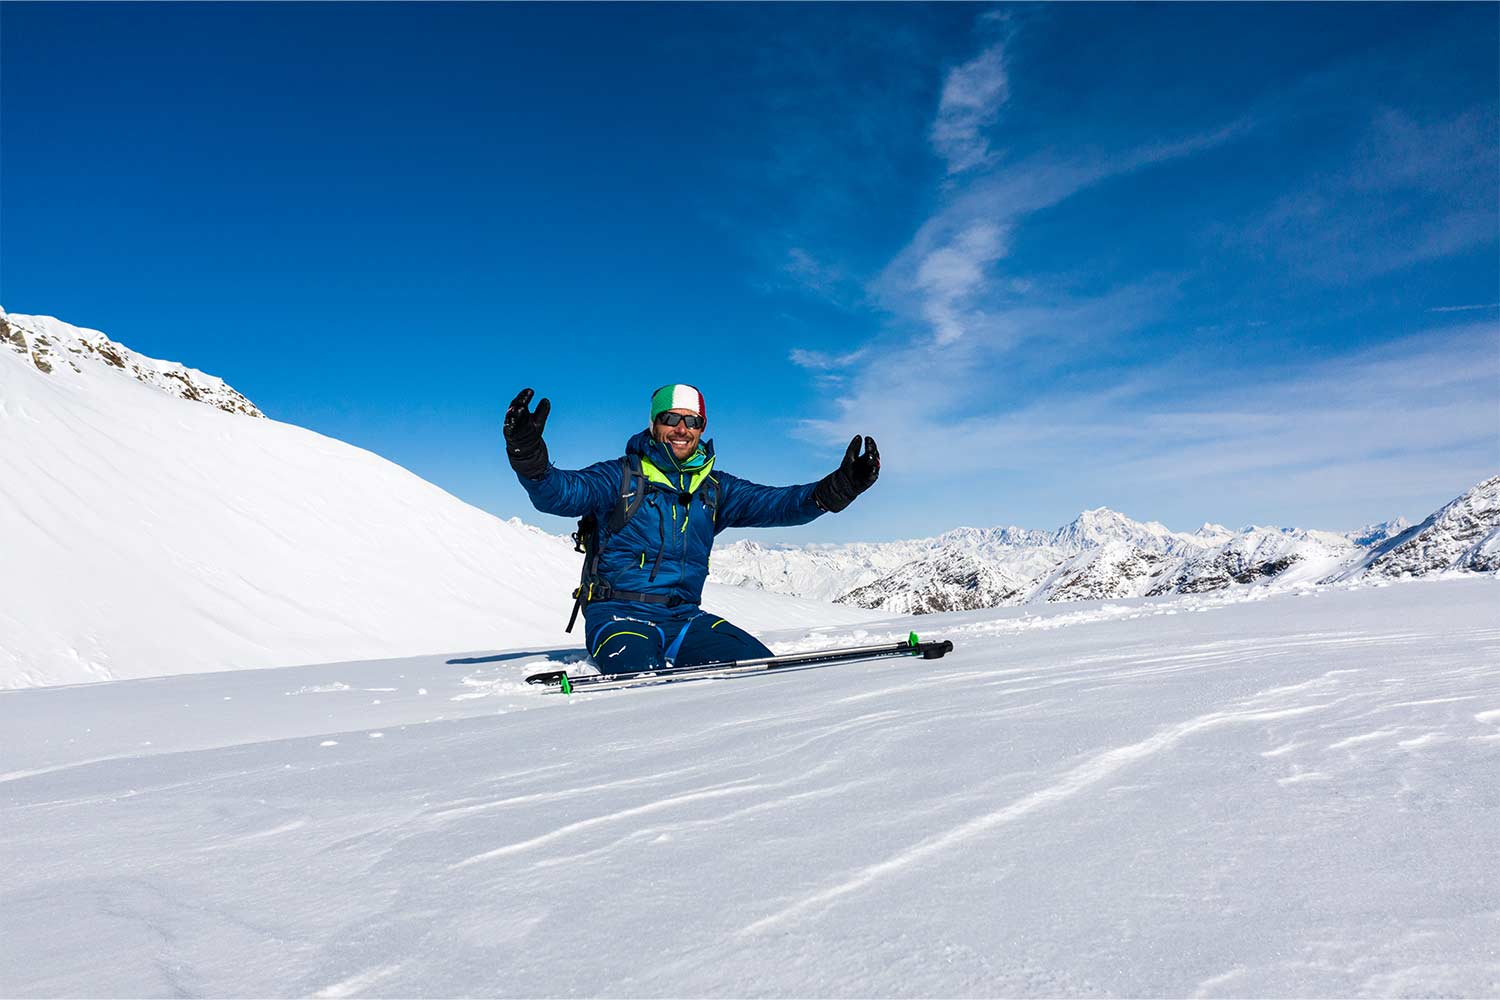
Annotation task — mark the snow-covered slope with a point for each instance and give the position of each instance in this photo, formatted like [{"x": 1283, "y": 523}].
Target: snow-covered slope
[
  {"x": 818, "y": 571},
  {"x": 1102, "y": 554},
  {"x": 1463, "y": 535},
  {"x": 1258, "y": 555},
  {"x": 143, "y": 534},
  {"x": 1226, "y": 794},
  {"x": 941, "y": 581}
]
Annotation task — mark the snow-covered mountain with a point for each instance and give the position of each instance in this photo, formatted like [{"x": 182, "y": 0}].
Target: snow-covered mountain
[
  {"x": 939, "y": 581},
  {"x": 1373, "y": 534},
  {"x": 1462, "y": 535},
  {"x": 143, "y": 533},
  {"x": 1104, "y": 554},
  {"x": 51, "y": 345},
  {"x": 820, "y": 571}
]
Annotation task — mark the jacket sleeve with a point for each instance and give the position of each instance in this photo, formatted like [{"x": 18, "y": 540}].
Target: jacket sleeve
[
  {"x": 574, "y": 494},
  {"x": 744, "y": 504}
]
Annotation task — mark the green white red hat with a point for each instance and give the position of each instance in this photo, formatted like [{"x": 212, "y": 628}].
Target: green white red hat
[{"x": 677, "y": 397}]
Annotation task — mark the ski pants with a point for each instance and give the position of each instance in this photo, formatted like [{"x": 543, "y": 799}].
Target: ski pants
[{"x": 624, "y": 636}]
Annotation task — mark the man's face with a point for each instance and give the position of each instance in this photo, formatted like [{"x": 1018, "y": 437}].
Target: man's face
[{"x": 680, "y": 439}]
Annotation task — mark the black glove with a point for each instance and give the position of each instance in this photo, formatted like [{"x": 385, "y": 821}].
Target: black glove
[
  {"x": 858, "y": 473},
  {"x": 523, "y": 436}
]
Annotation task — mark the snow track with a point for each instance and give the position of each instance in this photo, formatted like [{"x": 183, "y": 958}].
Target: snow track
[{"x": 1285, "y": 796}]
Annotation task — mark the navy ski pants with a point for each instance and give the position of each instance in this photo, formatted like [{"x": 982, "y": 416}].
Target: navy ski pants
[{"x": 624, "y": 637}]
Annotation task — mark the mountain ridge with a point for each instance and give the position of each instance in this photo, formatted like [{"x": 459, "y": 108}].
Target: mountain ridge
[
  {"x": 54, "y": 347},
  {"x": 1103, "y": 553}
]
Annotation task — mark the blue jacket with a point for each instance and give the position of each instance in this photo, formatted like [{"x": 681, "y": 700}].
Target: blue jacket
[{"x": 662, "y": 527}]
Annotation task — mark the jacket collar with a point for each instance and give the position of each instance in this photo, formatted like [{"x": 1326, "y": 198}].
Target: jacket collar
[{"x": 644, "y": 445}]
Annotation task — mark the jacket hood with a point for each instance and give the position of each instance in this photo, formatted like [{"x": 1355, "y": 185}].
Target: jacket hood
[{"x": 643, "y": 444}]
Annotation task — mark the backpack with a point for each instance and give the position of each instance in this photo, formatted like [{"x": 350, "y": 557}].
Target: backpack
[{"x": 635, "y": 483}]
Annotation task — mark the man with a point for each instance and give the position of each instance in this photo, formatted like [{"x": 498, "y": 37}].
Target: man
[{"x": 658, "y": 510}]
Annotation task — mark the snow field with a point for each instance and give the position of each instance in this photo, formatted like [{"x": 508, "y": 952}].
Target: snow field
[{"x": 1289, "y": 795}]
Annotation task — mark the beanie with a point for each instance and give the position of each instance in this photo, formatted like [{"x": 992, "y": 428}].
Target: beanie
[{"x": 677, "y": 397}]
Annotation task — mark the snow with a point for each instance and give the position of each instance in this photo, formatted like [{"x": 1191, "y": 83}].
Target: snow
[
  {"x": 146, "y": 534},
  {"x": 1228, "y": 794}
]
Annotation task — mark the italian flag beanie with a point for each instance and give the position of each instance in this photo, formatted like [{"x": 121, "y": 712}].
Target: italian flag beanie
[{"x": 677, "y": 397}]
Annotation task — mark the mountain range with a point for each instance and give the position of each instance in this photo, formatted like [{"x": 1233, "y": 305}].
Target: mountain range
[{"x": 1104, "y": 554}]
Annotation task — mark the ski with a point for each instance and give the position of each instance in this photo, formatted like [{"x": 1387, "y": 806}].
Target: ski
[{"x": 561, "y": 680}]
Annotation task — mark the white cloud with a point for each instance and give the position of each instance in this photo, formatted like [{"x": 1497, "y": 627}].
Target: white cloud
[
  {"x": 1413, "y": 191},
  {"x": 822, "y": 361},
  {"x": 943, "y": 276},
  {"x": 952, "y": 275},
  {"x": 973, "y": 95}
]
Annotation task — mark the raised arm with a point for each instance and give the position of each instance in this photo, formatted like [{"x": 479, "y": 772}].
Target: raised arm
[
  {"x": 552, "y": 490},
  {"x": 744, "y": 504},
  {"x": 751, "y": 505}
]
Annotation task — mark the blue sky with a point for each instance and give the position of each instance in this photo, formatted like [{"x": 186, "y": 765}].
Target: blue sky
[{"x": 1196, "y": 263}]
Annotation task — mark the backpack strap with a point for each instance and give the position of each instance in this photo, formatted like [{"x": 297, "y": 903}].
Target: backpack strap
[
  {"x": 633, "y": 487},
  {"x": 589, "y": 540}
]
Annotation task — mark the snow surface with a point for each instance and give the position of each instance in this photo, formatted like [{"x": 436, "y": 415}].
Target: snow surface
[
  {"x": 1229, "y": 794},
  {"x": 144, "y": 534}
]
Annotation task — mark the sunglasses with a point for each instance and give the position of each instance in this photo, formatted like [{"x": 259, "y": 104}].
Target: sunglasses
[{"x": 691, "y": 421}]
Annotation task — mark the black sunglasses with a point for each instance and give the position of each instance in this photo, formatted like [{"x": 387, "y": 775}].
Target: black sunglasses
[{"x": 689, "y": 420}]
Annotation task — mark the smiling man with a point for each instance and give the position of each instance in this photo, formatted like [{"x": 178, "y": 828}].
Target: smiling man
[{"x": 649, "y": 522}]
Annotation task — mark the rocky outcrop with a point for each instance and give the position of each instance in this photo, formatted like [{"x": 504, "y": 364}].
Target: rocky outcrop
[
  {"x": 57, "y": 348},
  {"x": 936, "y": 583},
  {"x": 1463, "y": 535}
]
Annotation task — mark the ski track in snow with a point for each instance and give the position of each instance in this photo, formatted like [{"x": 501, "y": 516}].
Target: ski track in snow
[{"x": 1290, "y": 796}]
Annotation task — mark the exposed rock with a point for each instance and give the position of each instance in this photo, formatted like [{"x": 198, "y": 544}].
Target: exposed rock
[
  {"x": 10, "y": 335},
  {"x": 937, "y": 583},
  {"x": 49, "y": 344},
  {"x": 1463, "y": 535}
]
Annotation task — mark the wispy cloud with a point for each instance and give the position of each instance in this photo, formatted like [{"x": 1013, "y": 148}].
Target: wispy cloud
[
  {"x": 1392, "y": 422},
  {"x": 1412, "y": 191},
  {"x": 822, "y": 361},
  {"x": 946, "y": 278},
  {"x": 952, "y": 276},
  {"x": 811, "y": 273},
  {"x": 973, "y": 95},
  {"x": 1459, "y": 309}
]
